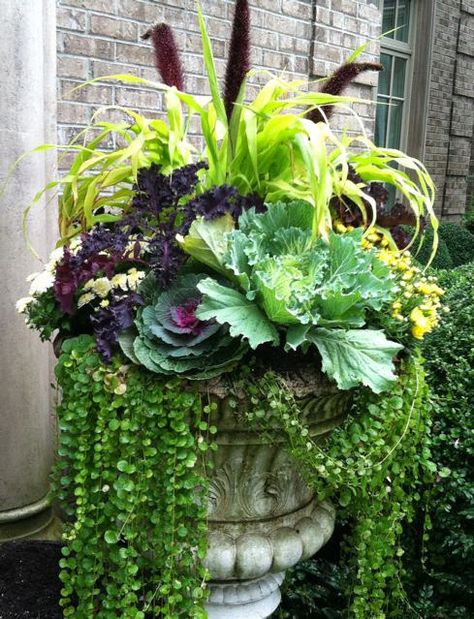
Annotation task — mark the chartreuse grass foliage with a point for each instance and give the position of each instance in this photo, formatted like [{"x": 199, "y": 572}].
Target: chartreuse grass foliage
[
  {"x": 97, "y": 188},
  {"x": 268, "y": 147}
]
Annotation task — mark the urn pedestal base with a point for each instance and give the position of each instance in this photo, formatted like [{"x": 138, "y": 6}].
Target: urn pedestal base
[
  {"x": 246, "y": 599},
  {"x": 263, "y": 518},
  {"x": 248, "y": 560}
]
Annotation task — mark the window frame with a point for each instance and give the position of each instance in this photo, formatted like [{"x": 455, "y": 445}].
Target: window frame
[
  {"x": 419, "y": 51},
  {"x": 404, "y": 50}
]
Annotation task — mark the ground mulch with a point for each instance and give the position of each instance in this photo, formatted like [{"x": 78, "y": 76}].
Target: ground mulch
[{"x": 29, "y": 580}]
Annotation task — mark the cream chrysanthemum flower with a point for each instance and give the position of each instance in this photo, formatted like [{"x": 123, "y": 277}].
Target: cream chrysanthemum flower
[
  {"x": 134, "y": 278},
  {"x": 119, "y": 281},
  {"x": 85, "y": 298},
  {"x": 55, "y": 256},
  {"x": 102, "y": 287},
  {"x": 40, "y": 282},
  {"x": 22, "y": 304}
]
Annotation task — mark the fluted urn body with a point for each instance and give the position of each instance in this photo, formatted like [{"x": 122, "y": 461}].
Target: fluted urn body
[{"x": 263, "y": 517}]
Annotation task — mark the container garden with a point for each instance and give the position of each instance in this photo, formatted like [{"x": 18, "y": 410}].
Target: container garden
[{"x": 219, "y": 311}]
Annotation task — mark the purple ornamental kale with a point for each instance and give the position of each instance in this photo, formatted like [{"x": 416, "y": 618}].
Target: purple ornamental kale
[
  {"x": 109, "y": 322},
  {"x": 158, "y": 214},
  {"x": 157, "y": 196},
  {"x": 184, "y": 317},
  {"x": 166, "y": 257},
  {"x": 220, "y": 200}
]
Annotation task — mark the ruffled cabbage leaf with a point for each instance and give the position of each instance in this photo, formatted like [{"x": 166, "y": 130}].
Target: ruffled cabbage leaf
[
  {"x": 169, "y": 338},
  {"x": 228, "y": 306},
  {"x": 356, "y": 356},
  {"x": 207, "y": 242},
  {"x": 298, "y": 280}
]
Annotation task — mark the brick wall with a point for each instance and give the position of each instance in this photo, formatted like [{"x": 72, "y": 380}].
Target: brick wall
[
  {"x": 340, "y": 27},
  {"x": 303, "y": 38},
  {"x": 450, "y": 120}
]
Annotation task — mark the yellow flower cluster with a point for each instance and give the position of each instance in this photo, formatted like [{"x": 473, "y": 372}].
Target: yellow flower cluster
[
  {"x": 102, "y": 286},
  {"x": 419, "y": 301}
]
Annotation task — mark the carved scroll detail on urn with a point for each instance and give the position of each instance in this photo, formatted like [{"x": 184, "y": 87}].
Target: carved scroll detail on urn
[{"x": 241, "y": 490}]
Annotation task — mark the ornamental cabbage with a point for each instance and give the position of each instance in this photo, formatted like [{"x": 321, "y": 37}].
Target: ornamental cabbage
[
  {"x": 170, "y": 339},
  {"x": 282, "y": 281},
  {"x": 298, "y": 280}
]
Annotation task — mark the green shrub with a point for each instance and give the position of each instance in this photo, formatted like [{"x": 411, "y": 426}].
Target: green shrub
[
  {"x": 468, "y": 219},
  {"x": 446, "y": 588},
  {"x": 438, "y": 565},
  {"x": 459, "y": 241},
  {"x": 456, "y": 246}
]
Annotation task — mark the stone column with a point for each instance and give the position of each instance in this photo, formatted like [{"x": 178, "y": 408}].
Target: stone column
[{"x": 27, "y": 119}]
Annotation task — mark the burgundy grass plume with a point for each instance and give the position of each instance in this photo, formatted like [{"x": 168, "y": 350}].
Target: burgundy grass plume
[
  {"x": 338, "y": 81},
  {"x": 167, "y": 58},
  {"x": 239, "y": 55}
]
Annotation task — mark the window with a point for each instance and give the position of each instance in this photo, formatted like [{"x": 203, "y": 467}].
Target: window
[
  {"x": 403, "y": 92},
  {"x": 393, "y": 97},
  {"x": 404, "y": 85}
]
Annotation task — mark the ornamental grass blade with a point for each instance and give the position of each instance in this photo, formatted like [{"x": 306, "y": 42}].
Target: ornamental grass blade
[{"x": 211, "y": 69}]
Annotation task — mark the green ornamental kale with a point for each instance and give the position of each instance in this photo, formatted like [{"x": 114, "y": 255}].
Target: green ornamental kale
[
  {"x": 170, "y": 339},
  {"x": 317, "y": 292}
]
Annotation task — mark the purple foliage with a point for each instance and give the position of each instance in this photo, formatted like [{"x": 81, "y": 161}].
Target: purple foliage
[
  {"x": 166, "y": 257},
  {"x": 401, "y": 237},
  {"x": 109, "y": 322},
  {"x": 156, "y": 212},
  {"x": 157, "y": 196},
  {"x": 397, "y": 215},
  {"x": 167, "y": 59},
  {"x": 65, "y": 283},
  {"x": 223, "y": 199},
  {"x": 238, "y": 64},
  {"x": 100, "y": 250},
  {"x": 338, "y": 81},
  {"x": 389, "y": 217}
]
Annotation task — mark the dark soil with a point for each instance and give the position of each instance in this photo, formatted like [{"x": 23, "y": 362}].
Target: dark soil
[{"x": 29, "y": 583}]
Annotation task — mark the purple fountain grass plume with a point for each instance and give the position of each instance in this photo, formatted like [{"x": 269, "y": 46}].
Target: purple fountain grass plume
[
  {"x": 167, "y": 58},
  {"x": 338, "y": 81},
  {"x": 239, "y": 55}
]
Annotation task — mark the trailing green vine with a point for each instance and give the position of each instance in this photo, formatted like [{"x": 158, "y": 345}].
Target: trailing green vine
[
  {"x": 128, "y": 472},
  {"x": 373, "y": 466}
]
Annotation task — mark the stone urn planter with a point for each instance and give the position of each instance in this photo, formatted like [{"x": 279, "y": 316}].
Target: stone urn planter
[{"x": 263, "y": 517}]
